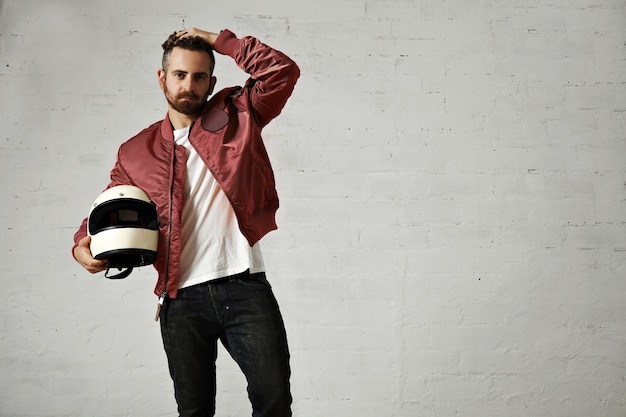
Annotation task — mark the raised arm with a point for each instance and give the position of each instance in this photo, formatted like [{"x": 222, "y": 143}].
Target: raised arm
[{"x": 273, "y": 74}]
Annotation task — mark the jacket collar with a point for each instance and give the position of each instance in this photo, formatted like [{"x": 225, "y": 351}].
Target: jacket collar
[{"x": 167, "y": 131}]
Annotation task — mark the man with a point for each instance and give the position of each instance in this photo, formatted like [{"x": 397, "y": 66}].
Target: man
[{"x": 206, "y": 169}]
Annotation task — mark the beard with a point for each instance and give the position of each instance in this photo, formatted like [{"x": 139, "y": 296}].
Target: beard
[{"x": 187, "y": 103}]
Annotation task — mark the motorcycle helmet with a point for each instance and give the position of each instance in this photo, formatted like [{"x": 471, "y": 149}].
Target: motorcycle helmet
[{"x": 124, "y": 228}]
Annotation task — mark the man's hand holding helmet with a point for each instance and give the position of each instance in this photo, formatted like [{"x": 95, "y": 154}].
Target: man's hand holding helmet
[{"x": 82, "y": 253}]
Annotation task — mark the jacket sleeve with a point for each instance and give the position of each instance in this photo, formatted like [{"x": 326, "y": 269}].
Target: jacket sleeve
[
  {"x": 118, "y": 177},
  {"x": 273, "y": 74}
]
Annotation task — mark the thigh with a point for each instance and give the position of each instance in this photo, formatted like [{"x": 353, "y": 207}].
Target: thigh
[
  {"x": 190, "y": 332},
  {"x": 254, "y": 335}
]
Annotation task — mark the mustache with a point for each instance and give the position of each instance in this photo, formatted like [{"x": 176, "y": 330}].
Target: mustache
[{"x": 191, "y": 96}]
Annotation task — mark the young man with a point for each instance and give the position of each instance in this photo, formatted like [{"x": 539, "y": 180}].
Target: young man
[{"x": 206, "y": 169}]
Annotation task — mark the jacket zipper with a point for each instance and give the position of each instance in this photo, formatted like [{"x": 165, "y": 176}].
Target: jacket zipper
[{"x": 169, "y": 237}]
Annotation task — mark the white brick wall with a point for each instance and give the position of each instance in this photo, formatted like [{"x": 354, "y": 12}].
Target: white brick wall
[{"x": 452, "y": 233}]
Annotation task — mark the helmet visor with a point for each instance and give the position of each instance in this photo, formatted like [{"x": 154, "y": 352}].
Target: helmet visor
[{"x": 123, "y": 213}]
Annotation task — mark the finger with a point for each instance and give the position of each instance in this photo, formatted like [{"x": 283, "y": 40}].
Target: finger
[
  {"x": 97, "y": 266},
  {"x": 100, "y": 262}
]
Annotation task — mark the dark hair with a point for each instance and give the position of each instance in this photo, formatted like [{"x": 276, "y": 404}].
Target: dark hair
[{"x": 191, "y": 43}]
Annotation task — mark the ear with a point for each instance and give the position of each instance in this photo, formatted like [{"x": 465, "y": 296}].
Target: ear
[
  {"x": 161, "y": 75},
  {"x": 211, "y": 85}
]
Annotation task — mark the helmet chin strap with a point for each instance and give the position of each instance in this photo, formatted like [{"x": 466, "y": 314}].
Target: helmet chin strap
[{"x": 121, "y": 275}]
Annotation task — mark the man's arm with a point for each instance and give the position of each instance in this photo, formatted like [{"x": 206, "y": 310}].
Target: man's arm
[
  {"x": 273, "y": 74},
  {"x": 81, "y": 250}
]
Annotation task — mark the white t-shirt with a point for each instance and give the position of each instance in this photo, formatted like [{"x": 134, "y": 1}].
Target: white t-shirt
[{"x": 213, "y": 245}]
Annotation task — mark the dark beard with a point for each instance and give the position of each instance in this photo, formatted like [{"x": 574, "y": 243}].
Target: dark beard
[{"x": 191, "y": 107}]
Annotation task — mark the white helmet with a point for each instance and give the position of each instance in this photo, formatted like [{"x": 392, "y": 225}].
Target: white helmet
[{"x": 124, "y": 228}]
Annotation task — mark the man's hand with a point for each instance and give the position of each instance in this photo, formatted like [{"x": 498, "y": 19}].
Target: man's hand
[
  {"x": 82, "y": 254},
  {"x": 210, "y": 37}
]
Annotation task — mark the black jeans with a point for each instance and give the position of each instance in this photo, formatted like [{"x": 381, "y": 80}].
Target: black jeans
[{"x": 242, "y": 312}]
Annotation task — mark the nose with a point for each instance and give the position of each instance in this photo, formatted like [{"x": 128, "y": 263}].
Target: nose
[{"x": 188, "y": 84}]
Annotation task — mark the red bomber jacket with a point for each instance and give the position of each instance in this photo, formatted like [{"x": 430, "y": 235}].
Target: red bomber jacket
[{"x": 227, "y": 135}]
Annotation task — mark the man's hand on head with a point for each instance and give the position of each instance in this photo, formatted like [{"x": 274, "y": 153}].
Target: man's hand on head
[{"x": 210, "y": 37}]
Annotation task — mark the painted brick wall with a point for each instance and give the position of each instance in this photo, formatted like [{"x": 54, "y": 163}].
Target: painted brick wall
[{"x": 452, "y": 233}]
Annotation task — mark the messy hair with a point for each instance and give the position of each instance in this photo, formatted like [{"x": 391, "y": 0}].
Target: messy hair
[{"x": 191, "y": 43}]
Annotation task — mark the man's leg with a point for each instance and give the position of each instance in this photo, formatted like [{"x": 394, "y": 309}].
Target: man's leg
[
  {"x": 254, "y": 335},
  {"x": 190, "y": 330}
]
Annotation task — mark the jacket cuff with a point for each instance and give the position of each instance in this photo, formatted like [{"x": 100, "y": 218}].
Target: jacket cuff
[{"x": 226, "y": 43}]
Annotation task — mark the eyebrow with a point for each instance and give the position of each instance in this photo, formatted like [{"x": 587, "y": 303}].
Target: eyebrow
[{"x": 187, "y": 72}]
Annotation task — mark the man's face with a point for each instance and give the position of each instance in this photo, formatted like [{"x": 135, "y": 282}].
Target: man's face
[{"x": 187, "y": 83}]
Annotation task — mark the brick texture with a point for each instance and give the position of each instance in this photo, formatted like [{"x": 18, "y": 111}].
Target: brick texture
[{"x": 452, "y": 176}]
